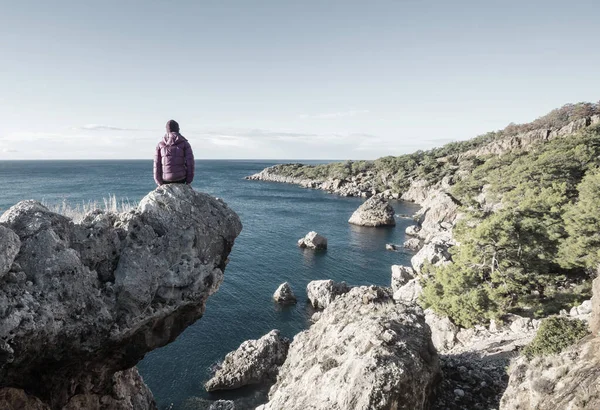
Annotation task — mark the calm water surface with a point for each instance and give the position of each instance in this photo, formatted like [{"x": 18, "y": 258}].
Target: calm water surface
[{"x": 274, "y": 216}]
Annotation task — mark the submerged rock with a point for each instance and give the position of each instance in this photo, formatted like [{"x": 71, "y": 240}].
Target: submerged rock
[
  {"x": 322, "y": 292},
  {"x": 375, "y": 211},
  {"x": 95, "y": 297},
  {"x": 313, "y": 240},
  {"x": 254, "y": 362},
  {"x": 284, "y": 294},
  {"x": 365, "y": 353}
]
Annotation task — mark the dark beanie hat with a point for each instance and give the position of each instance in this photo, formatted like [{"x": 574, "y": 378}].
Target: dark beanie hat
[{"x": 172, "y": 126}]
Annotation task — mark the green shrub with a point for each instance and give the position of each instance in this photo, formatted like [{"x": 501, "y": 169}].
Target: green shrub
[{"x": 554, "y": 335}]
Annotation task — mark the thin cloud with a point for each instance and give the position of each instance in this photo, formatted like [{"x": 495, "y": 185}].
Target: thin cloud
[
  {"x": 102, "y": 127},
  {"x": 8, "y": 150},
  {"x": 330, "y": 115}
]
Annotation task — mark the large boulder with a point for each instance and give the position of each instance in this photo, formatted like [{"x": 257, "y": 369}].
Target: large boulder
[
  {"x": 254, "y": 362},
  {"x": 409, "y": 292},
  {"x": 313, "y": 240},
  {"x": 83, "y": 302},
  {"x": 322, "y": 292},
  {"x": 284, "y": 294},
  {"x": 365, "y": 352},
  {"x": 375, "y": 211}
]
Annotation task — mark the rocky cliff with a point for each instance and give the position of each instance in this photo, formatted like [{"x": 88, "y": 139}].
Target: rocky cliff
[
  {"x": 365, "y": 352},
  {"x": 80, "y": 304}
]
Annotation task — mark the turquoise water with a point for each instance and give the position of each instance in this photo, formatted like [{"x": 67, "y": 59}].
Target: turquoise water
[{"x": 275, "y": 216}]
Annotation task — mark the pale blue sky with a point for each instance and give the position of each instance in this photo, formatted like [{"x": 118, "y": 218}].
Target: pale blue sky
[{"x": 284, "y": 79}]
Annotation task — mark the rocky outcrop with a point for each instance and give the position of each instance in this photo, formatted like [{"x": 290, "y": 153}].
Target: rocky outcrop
[
  {"x": 375, "y": 211},
  {"x": 568, "y": 380},
  {"x": 9, "y": 248},
  {"x": 413, "y": 244},
  {"x": 83, "y": 302},
  {"x": 365, "y": 352},
  {"x": 400, "y": 276},
  {"x": 432, "y": 253},
  {"x": 528, "y": 139},
  {"x": 313, "y": 240},
  {"x": 254, "y": 362},
  {"x": 410, "y": 292},
  {"x": 322, "y": 292},
  {"x": 284, "y": 294}
]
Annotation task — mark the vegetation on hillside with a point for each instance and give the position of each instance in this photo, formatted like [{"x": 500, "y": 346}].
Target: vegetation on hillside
[
  {"x": 535, "y": 252},
  {"x": 434, "y": 164}
]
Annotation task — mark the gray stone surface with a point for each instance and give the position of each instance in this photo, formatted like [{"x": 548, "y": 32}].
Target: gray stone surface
[
  {"x": 365, "y": 353},
  {"x": 92, "y": 299},
  {"x": 322, "y": 292},
  {"x": 9, "y": 248},
  {"x": 375, "y": 211},
  {"x": 400, "y": 276},
  {"x": 254, "y": 362},
  {"x": 284, "y": 294},
  {"x": 313, "y": 240}
]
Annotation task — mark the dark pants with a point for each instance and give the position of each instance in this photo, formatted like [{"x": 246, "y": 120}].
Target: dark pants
[{"x": 181, "y": 181}]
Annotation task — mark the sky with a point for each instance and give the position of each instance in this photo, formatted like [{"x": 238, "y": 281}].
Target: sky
[{"x": 282, "y": 79}]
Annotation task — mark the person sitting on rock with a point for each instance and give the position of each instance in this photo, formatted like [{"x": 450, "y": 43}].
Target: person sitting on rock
[{"x": 174, "y": 158}]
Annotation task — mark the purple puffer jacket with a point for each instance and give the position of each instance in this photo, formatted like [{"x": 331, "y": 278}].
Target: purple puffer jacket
[{"x": 174, "y": 159}]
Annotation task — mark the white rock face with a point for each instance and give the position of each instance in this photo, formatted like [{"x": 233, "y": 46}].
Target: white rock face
[
  {"x": 9, "y": 248},
  {"x": 255, "y": 361},
  {"x": 582, "y": 311},
  {"x": 400, "y": 276},
  {"x": 434, "y": 253},
  {"x": 322, "y": 292},
  {"x": 443, "y": 331},
  {"x": 375, "y": 211},
  {"x": 409, "y": 293},
  {"x": 313, "y": 240},
  {"x": 413, "y": 244},
  {"x": 365, "y": 353},
  {"x": 412, "y": 230},
  {"x": 284, "y": 294}
]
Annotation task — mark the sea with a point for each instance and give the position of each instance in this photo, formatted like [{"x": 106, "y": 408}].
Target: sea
[{"x": 274, "y": 217}]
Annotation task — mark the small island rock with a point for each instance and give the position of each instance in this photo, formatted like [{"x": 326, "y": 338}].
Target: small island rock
[
  {"x": 391, "y": 247},
  {"x": 375, "y": 211},
  {"x": 254, "y": 362},
  {"x": 313, "y": 240},
  {"x": 284, "y": 294}
]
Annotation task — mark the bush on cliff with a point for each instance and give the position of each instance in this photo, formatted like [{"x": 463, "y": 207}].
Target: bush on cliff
[{"x": 555, "y": 335}]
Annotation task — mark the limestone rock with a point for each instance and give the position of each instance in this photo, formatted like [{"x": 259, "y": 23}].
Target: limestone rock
[
  {"x": 443, "y": 331},
  {"x": 284, "y": 294},
  {"x": 375, "y": 211},
  {"x": 322, "y": 292},
  {"x": 409, "y": 292},
  {"x": 95, "y": 297},
  {"x": 391, "y": 247},
  {"x": 413, "y": 244},
  {"x": 412, "y": 230},
  {"x": 9, "y": 248},
  {"x": 254, "y": 362},
  {"x": 313, "y": 240},
  {"x": 400, "y": 276},
  {"x": 433, "y": 253},
  {"x": 565, "y": 381},
  {"x": 595, "y": 318},
  {"x": 365, "y": 352}
]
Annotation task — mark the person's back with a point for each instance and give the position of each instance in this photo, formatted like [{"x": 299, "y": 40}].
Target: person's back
[{"x": 174, "y": 158}]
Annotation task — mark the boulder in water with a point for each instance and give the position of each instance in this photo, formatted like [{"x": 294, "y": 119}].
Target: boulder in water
[
  {"x": 313, "y": 240},
  {"x": 375, "y": 211},
  {"x": 254, "y": 362},
  {"x": 284, "y": 294}
]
